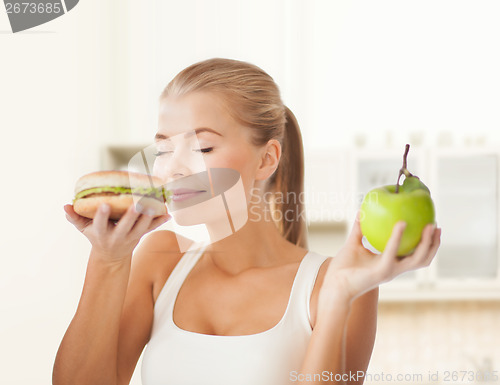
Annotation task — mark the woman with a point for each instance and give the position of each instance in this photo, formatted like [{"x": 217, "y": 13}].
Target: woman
[{"x": 254, "y": 306}]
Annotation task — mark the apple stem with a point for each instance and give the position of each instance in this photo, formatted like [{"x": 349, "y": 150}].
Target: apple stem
[{"x": 403, "y": 169}]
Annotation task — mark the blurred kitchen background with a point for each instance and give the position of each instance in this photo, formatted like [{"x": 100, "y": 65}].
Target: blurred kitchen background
[{"x": 363, "y": 78}]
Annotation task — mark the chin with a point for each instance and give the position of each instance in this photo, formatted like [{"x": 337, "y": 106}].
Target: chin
[
  {"x": 222, "y": 208},
  {"x": 220, "y": 222},
  {"x": 185, "y": 219}
]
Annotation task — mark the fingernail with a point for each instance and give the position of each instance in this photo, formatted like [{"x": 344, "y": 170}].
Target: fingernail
[
  {"x": 104, "y": 208},
  {"x": 149, "y": 212},
  {"x": 139, "y": 208}
]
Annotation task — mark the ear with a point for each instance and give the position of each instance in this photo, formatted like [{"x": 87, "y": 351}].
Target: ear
[{"x": 269, "y": 160}]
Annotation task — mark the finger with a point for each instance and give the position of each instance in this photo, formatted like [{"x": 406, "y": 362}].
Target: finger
[
  {"x": 422, "y": 251},
  {"x": 158, "y": 221},
  {"x": 76, "y": 220},
  {"x": 126, "y": 222},
  {"x": 141, "y": 225},
  {"x": 419, "y": 257},
  {"x": 389, "y": 263},
  {"x": 392, "y": 246},
  {"x": 70, "y": 214},
  {"x": 436, "y": 242},
  {"x": 356, "y": 236},
  {"x": 101, "y": 218}
]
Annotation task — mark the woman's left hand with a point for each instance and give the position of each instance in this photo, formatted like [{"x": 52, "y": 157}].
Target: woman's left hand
[{"x": 356, "y": 270}]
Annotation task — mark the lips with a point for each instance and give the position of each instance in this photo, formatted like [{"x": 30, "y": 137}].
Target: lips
[
  {"x": 182, "y": 194},
  {"x": 200, "y": 187}
]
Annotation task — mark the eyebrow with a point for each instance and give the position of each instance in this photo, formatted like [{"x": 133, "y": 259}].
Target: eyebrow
[{"x": 196, "y": 131}]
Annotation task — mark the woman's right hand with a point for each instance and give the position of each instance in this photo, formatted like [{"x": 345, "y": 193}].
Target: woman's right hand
[{"x": 112, "y": 241}]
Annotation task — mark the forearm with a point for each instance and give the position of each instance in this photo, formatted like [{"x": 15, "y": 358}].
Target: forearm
[
  {"x": 88, "y": 351},
  {"x": 325, "y": 357}
]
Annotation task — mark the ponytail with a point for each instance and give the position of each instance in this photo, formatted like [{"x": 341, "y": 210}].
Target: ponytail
[{"x": 289, "y": 181}]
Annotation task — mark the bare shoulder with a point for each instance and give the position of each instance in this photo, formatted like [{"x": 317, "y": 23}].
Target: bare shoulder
[
  {"x": 155, "y": 248},
  {"x": 156, "y": 256},
  {"x": 367, "y": 301},
  {"x": 159, "y": 240}
]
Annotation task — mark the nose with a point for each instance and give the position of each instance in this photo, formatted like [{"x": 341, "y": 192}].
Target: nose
[
  {"x": 179, "y": 159},
  {"x": 173, "y": 165},
  {"x": 179, "y": 163},
  {"x": 169, "y": 166},
  {"x": 177, "y": 166}
]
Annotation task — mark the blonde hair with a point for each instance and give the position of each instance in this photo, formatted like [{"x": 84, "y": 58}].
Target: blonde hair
[{"x": 255, "y": 102}]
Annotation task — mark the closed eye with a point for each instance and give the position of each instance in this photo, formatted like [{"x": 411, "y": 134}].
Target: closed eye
[{"x": 204, "y": 150}]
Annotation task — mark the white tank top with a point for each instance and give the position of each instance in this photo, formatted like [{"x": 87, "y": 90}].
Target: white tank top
[{"x": 175, "y": 356}]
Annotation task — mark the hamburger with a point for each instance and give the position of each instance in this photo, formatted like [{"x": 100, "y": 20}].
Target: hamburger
[{"x": 119, "y": 189}]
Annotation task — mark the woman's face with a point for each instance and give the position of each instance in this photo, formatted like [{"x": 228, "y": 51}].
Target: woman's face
[{"x": 196, "y": 134}]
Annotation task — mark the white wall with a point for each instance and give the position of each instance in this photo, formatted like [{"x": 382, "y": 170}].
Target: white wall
[
  {"x": 386, "y": 69},
  {"x": 93, "y": 76},
  {"x": 56, "y": 110},
  {"x": 392, "y": 66}
]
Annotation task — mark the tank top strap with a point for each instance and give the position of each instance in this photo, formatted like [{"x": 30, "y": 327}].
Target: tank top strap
[
  {"x": 174, "y": 282},
  {"x": 186, "y": 263},
  {"x": 303, "y": 286}
]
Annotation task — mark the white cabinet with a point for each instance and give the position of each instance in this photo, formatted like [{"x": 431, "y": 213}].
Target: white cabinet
[
  {"x": 464, "y": 188},
  {"x": 325, "y": 180},
  {"x": 117, "y": 156},
  {"x": 467, "y": 192}
]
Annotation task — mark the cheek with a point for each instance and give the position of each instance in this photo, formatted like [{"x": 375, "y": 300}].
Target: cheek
[
  {"x": 240, "y": 161},
  {"x": 244, "y": 162}
]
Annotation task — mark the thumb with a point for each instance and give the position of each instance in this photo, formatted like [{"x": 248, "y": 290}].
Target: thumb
[
  {"x": 392, "y": 246},
  {"x": 356, "y": 236},
  {"x": 77, "y": 220}
]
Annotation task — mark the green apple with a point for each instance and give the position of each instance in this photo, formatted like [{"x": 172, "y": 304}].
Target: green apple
[{"x": 384, "y": 206}]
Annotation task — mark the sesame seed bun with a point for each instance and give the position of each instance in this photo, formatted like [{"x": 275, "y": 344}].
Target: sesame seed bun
[{"x": 116, "y": 178}]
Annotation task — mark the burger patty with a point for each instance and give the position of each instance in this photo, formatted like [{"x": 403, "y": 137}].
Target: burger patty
[
  {"x": 157, "y": 193},
  {"x": 154, "y": 196}
]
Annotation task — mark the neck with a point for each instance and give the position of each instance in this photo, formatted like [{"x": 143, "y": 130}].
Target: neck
[{"x": 256, "y": 244}]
